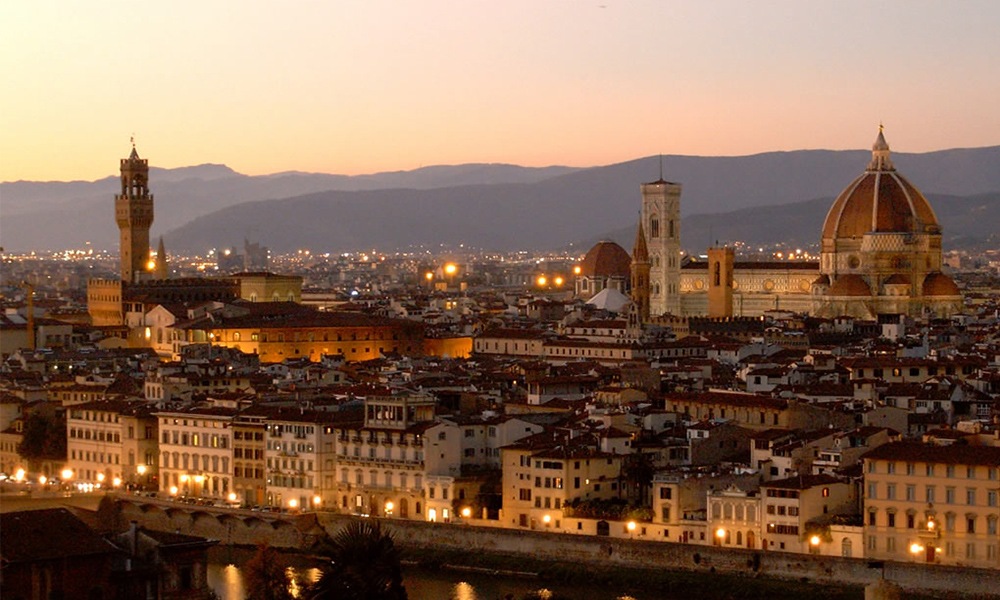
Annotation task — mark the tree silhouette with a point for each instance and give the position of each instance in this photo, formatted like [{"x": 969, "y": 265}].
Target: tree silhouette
[
  {"x": 266, "y": 576},
  {"x": 363, "y": 565},
  {"x": 638, "y": 471}
]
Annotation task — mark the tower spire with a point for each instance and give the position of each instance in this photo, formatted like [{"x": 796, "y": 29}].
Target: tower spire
[{"x": 880, "y": 153}]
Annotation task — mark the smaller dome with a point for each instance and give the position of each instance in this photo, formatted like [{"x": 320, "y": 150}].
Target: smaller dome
[
  {"x": 939, "y": 284},
  {"x": 606, "y": 259},
  {"x": 850, "y": 285}
]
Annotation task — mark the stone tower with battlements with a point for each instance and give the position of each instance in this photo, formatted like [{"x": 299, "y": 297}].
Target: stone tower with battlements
[{"x": 134, "y": 215}]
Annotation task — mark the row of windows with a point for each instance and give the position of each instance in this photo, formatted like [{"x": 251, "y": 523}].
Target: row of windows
[
  {"x": 932, "y": 470},
  {"x": 96, "y": 435},
  {"x": 195, "y": 462},
  {"x": 248, "y": 472},
  {"x": 930, "y": 495},
  {"x": 184, "y": 438},
  {"x": 291, "y": 482},
  {"x": 290, "y": 464},
  {"x": 98, "y": 457},
  {"x": 94, "y": 415},
  {"x": 972, "y": 549},
  {"x": 909, "y": 520},
  {"x": 387, "y": 479}
]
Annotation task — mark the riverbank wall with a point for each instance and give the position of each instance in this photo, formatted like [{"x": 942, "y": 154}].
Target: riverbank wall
[{"x": 303, "y": 532}]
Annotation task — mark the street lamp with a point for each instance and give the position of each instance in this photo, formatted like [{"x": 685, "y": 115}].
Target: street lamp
[
  {"x": 317, "y": 500},
  {"x": 173, "y": 490},
  {"x": 293, "y": 504},
  {"x": 67, "y": 474},
  {"x": 720, "y": 533},
  {"x": 141, "y": 469},
  {"x": 631, "y": 526},
  {"x": 546, "y": 519},
  {"x": 232, "y": 496},
  {"x": 466, "y": 512},
  {"x": 100, "y": 477},
  {"x": 541, "y": 281},
  {"x": 450, "y": 269},
  {"x": 388, "y": 508},
  {"x": 117, "y": 481}
]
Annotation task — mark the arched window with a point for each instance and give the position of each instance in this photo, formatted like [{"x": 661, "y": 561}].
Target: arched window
[
  {"x": 654, "y": 226},
  {"x": 670, "y": 228},
  {"x": 718, "y": 273},
  {"x": 845, "y": 547}
]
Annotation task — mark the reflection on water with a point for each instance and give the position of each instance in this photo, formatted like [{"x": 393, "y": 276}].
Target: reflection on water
[{"x": 227, "y": 581}]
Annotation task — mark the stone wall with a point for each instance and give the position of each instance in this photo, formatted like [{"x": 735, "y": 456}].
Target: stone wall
[{"x": 238, "y": 527}]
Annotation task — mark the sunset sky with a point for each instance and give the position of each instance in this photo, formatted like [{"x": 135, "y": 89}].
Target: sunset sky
[{"x": 366, "y": 86}]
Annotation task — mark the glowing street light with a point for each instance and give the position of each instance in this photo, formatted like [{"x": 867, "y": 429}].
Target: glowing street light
[
  {"x": 184, "y": 478},
  {"x": 559, "y": 281},
  {"x": 317, "y": 500},
  {"x": 151, "y": 265},
  {"x": 577, "y": 270},
  {"x": 546, "y": 519},
  {"x": 173, "y": 490},
  {"x": 631, "y": 526},
  {"x": 19, "y": 475},
  {"x": 450, "y": 268},
  {"x": 141, "y": 469},
  {"x": 466, "y": 512},
  {"x": 67, "y": 474},
  {"x": 232, "y": 496},
  {"x": 293, "y": 504},
  {"x": 542, "y": 281},
  {"x": 429, "y": 276},
  {"x": 916, "y": 548},
  {"x": 100, "y": 477},
  {"x": 814, "y": 540},
  {"x": 42, "y": 479},
  {"x": 199, "y": 478},
  {"x": 117, "y": 481},
  {"x": 720, "y": 533}
]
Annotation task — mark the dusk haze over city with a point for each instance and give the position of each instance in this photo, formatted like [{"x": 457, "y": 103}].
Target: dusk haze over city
[{"x": 547, "y": 300}]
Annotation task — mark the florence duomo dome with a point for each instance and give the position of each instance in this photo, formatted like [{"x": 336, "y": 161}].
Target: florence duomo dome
[{"x": 881, "y": 249}]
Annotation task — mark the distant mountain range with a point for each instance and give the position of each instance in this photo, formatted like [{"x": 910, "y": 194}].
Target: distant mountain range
[
  {"x": 764, "y": 197},
  {"x": 965, "y": 220}
]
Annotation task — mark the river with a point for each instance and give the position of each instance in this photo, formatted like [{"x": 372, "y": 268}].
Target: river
[{"x": 227, "y": 581}]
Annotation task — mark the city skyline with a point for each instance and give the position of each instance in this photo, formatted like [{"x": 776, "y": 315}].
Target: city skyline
[{"x": 358, "y": 89}]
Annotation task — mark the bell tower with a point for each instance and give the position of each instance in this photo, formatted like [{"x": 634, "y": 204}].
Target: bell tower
[
  {"x": 640, "y": 274},
  {"x": 661, "y": 216},
  {"x": 134, "y": 215}
]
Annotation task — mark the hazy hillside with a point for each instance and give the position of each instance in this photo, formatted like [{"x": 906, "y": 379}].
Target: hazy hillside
[
  {"x": 85, "y": 209},
  {"x": 964, "y": 220},
  {"x": 507, "y": 207}
]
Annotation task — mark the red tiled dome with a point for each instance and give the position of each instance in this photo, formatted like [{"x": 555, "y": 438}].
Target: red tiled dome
[
  {"x": 850, "y": 285},
  {"x": 880, "y": 200},
  {"x": 939, "y": 284},
  {"x": 606, "y": 259}
]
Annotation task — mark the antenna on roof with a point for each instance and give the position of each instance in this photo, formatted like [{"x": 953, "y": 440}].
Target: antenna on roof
[{"x": 661, "y": 167}]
